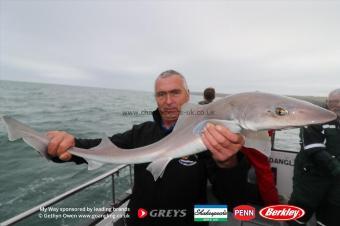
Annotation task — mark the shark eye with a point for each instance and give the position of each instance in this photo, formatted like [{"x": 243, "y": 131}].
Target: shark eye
[{"x": 281, "y": 111}]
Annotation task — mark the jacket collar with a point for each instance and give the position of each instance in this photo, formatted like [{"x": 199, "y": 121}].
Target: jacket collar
[{"x": 158, "y": 119}]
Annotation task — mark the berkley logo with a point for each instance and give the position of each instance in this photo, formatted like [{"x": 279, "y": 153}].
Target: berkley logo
[
  {"x": 282, "y": 212},
  {"x": 244, "y": 212}
]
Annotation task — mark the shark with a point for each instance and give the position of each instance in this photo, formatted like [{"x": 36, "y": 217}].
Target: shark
[{"x": 251, "y": 114}]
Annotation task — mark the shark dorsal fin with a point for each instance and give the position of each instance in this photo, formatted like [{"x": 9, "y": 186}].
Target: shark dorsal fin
[{"x": 104, "y": 144}]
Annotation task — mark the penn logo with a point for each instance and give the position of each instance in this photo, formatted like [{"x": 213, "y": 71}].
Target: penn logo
[
  {"x": 282, "y": 212},
  {"x": 142, "y": 213},
  {"x": 244, "y": 213}
]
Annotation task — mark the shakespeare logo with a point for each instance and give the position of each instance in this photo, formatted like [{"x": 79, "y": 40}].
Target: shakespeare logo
[{"x": 210, "y": 213}]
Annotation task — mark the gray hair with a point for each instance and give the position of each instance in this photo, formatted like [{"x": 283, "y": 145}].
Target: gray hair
[
  {"x": 169, "y": 73},
  {"x": 333, "y": 96},
  {"x": 335, "y": 92}
]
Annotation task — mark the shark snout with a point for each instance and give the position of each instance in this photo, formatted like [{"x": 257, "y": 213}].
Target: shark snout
[{"x": 318, "y": 116}]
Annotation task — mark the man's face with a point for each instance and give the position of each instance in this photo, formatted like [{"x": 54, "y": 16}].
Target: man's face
[
  {"x": 333, "y": 103},
  {"x": 170, "y": 96}
]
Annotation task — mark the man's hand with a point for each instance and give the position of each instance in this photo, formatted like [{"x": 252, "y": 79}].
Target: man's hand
[
  {"x": 223, "y": 144},
  {"x": 59, "y": 144}
]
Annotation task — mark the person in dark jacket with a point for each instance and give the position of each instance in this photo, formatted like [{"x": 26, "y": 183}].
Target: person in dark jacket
[
  {"x": 208, "y": 95},
  {"x": 183, "y": 183},
  {"x": 316, "y": 181}
]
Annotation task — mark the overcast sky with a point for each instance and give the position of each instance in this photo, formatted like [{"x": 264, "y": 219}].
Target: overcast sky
[{"x": 285, "y": 47}]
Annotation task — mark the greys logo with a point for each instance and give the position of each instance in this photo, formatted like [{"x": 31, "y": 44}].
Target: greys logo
[{"x": 168, "y": 213}]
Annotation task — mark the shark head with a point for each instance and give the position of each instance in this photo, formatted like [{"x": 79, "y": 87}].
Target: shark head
[{"x": 264, "y": 111}]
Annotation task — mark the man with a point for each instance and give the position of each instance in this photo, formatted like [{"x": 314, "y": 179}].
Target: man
[
  {"x": 184, "y": 181},
  {"x": 316, "y": 182}
]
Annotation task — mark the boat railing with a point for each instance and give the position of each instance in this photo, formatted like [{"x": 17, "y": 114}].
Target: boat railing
[{"x": 112, "y": 173}]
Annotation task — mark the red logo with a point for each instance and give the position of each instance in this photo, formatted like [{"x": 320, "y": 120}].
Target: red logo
[
  {"x": 282, "y": 212},
  {"x": 142, "y": 213},
  {"x": 244, "y": 213}
]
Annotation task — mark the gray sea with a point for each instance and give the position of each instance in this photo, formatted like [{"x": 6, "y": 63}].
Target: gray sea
[{"x": 26, "y": 179}]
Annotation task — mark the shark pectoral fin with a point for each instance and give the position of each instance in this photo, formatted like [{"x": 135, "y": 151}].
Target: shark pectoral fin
[
  {"x": 92, "y": 164},
  {"x": 259, "y": 140},
  {"x": 158, "y": 166},
  {"x": 231, "y": 125}
]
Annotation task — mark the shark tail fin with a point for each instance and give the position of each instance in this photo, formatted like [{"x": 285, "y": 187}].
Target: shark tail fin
[
  {"x": 14, "y": 128},
  {"x": 17, "y": 130}
]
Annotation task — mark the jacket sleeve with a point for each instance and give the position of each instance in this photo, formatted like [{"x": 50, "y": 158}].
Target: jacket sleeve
[
  {"x": 312, "y": 139},
  {"x": 313, "y": 146}
]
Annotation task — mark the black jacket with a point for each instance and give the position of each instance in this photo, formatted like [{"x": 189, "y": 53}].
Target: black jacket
[
  {"x": 183, "y": 184},
  {"x": 321, "y": 144}
]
